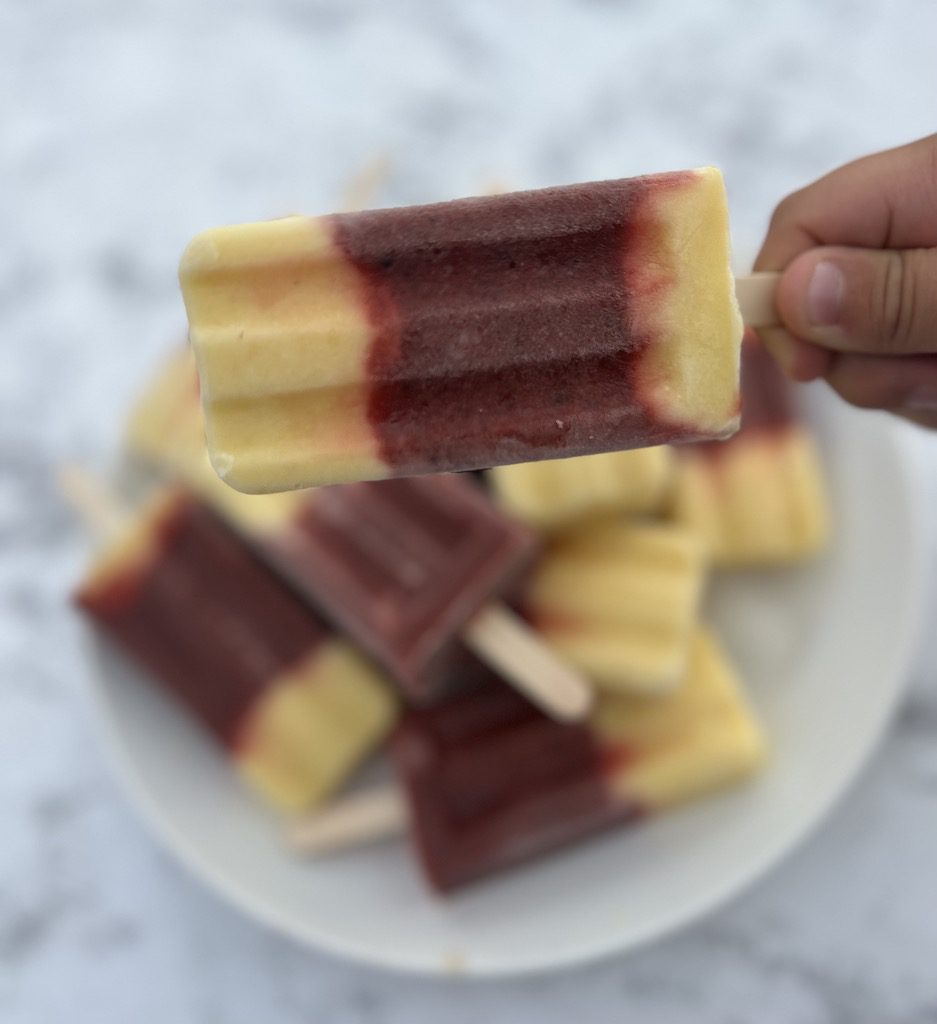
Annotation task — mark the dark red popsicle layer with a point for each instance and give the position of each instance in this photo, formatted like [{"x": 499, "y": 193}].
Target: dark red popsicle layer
[
  {"x": 767, "y": 404},
  {"x": 402, "y": 565},
  {"x": 766, "y": 393},
  {"x": 212, "y": 624},
  {"x": 506, "y": 327},
  {"x": 492, "y": 782}
]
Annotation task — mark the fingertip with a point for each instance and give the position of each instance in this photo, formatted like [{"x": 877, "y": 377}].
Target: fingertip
[{"x": 798, "y": 295}]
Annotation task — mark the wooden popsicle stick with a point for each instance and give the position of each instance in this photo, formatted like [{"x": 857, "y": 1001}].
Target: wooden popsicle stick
[
  {"x": 755, "y": 295},
  {"x": 504, "y": 641},
  {"x": 363, "y": 187},
  {"x": 97, "y": 508},
  {"x": 354, "y": 820}
]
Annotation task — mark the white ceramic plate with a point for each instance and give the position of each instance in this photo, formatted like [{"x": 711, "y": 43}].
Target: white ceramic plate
[{"x": 825, "y": 651}]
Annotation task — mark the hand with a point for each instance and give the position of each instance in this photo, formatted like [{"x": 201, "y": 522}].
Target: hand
[{"x": 858, "y": 296}]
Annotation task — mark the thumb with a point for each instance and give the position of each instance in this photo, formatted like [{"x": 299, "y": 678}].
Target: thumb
[{"x": 862, "y": 300}]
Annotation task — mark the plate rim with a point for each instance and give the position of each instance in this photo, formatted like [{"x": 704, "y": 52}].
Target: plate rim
[{"x": 256, "y": 909}]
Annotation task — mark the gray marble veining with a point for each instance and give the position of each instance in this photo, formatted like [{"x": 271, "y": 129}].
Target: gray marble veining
[{"x": 126, "y": 127}]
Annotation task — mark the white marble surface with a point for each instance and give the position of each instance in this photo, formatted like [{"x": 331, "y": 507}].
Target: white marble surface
[{"x": 126, "y": 126}]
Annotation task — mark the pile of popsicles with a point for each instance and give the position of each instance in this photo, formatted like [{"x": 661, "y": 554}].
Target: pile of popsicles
[{"x": 526, "y": 646}]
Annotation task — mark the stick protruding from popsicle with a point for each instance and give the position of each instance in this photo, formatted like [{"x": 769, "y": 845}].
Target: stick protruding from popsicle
[
  {"x": 354, "y": 820},
  {"x": 363, "y": 186},
  {"x": 503, "y": 640},
  {"x": 96, "y": 506},
  {"x": 755, "y": 295}
]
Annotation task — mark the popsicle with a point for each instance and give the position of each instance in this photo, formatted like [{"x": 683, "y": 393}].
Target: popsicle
[
  {"x": 759, "y": 498},
  {"x": 555, "y": 493},
  {"x": 295, "y": 706},
  {"x": 620, "y": 600},
  {"x": 499, "y": 329},
  {"x": 486, "y": 782},
  {"x": 404, "y": 566}
]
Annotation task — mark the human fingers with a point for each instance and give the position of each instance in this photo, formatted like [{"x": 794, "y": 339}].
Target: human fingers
[
  {"x": 887, "y": 200},
  {"x": 906, "y": 385},
  {"x": 880, "y": 302}
]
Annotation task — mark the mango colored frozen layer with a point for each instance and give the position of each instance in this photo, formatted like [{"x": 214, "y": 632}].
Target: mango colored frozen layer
[
  {"x": 555, "y": 493},
  {"x": 490, "y": 782},
  {"x": 295, "y": 705},
  {"x": 500, "y": 329},
  {"x": 758, "y": 498},
  {"x": 619, "y": 601}
]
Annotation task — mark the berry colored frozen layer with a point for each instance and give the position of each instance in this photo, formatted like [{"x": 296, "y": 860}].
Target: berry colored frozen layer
[
  {"x": 401, "y": 564},
  {"x": 461, "y": 335},
  {"x": 620, "y": 601},
  {"x": 767, "y": 402},
  {"x": 758, "y": 498},
  {"x": 491, "y": 782},
  {"x": 296, "y": 707}
]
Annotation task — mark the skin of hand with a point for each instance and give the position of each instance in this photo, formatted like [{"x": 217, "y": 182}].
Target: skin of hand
[{"x": 858, "y": 295}]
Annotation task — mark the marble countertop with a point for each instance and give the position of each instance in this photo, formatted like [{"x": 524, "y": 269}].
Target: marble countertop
[{"x": 125, "y": 127}]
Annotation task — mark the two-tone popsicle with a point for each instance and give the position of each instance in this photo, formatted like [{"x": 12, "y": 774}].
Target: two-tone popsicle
[
  {"x": 462, "y": 335},
  {"x": 295, "y": 706},
  {"x": 486, "y": 782}
]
